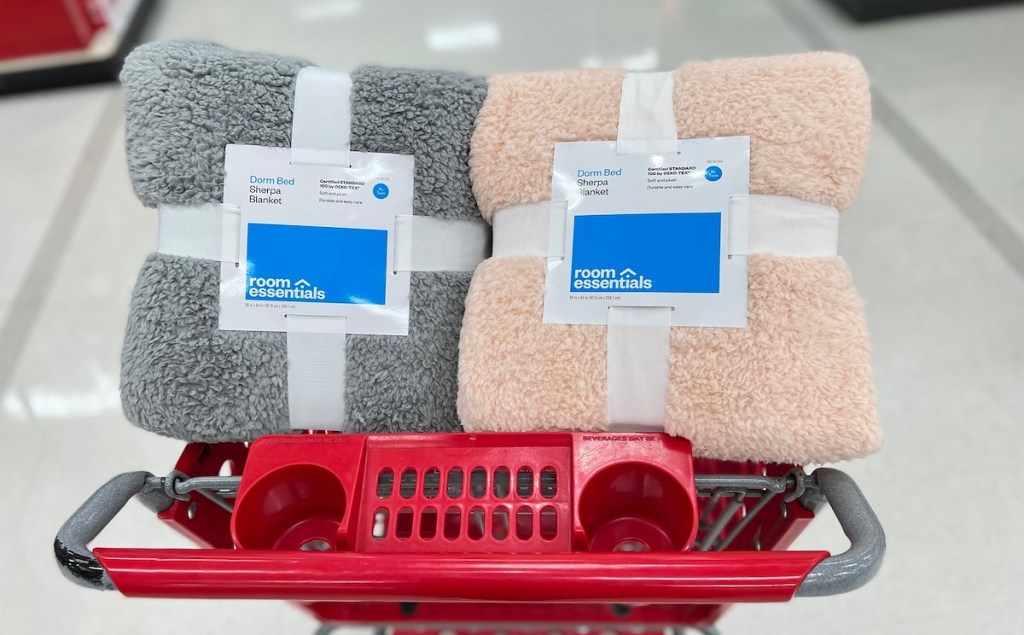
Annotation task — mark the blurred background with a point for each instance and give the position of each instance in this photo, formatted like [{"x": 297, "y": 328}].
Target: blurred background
[{"x": 935, "y": 242}]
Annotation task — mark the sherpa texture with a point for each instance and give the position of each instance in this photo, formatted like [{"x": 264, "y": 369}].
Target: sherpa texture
[
  {"x": 795, "y": 385},
  {"x": 183, "y": 377}
]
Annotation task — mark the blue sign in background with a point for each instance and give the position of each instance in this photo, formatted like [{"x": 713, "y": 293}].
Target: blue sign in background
[
  {"x": 348, "y": 265},
  {"x": 678, "y": 252}
]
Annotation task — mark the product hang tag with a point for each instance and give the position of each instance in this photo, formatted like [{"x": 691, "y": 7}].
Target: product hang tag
[
  {"x": 649, "y": 230},
  {"x": 316, "y": 240}
]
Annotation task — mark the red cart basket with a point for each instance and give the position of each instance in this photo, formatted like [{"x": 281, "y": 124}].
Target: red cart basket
[{"x": 523, "y": 533}]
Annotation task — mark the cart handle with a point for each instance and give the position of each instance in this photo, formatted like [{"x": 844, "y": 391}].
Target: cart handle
[
  {"x": 856, "y": 566},
  {"x": 71, "y": 548}
]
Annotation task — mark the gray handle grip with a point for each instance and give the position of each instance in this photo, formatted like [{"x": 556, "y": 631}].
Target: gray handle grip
[
  {"x": 856, "y": 566},
  {"x": 71, "y": 545}
]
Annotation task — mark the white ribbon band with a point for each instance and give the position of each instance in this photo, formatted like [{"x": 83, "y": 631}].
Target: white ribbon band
[
  {"x": 783, "y": 226},
  {"x": 647, "y": 121},
  {"x": 439, "y": 244},
  {"x": 758, "y": 224},
  {"x": 208, "y": 231},
  {"x": 322, "y": 117},
  {"x": 321, "y": 132},
  {"x": 638, "y": 357},
  {"x": 316, "y": 372}
]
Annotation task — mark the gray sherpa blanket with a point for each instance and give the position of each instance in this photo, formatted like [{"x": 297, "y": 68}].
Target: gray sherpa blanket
[{"x": 184, "y": 378}]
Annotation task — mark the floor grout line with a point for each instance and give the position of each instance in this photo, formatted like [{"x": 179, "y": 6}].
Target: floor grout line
[
  {"x": 35, "y": 287},
  {"x": 985, "y": 218}
]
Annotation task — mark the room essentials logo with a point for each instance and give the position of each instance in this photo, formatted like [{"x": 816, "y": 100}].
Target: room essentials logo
[
  {"x": 608, "y": 279},
  {"x": 311, "y": 263},
  {"x": 257, "y": 288},
  {"x": 656, "y": 252}
]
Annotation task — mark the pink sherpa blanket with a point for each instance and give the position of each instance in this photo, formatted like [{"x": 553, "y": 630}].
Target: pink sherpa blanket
[{"x": 795, "y": 385}]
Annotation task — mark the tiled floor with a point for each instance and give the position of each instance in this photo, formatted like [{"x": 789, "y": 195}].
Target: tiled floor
[{"x": 935, "y": 241}]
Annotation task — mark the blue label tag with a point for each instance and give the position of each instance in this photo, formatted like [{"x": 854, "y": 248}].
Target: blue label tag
[
  {"x": 298, "y": 263},
  {"x": 646, "y": 253}
]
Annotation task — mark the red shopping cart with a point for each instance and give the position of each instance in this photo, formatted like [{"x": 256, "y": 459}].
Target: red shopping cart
[{"x": 523, "y": 533}]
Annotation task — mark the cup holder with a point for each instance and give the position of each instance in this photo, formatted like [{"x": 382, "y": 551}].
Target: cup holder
[
  {"x": 294, "y": 507},
  {"x": 636, "y": 507}
]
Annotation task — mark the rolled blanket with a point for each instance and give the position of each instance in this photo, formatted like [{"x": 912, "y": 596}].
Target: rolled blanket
[
  {"x": 184, "y": 378},
  {"x": 793, "y": 386}
]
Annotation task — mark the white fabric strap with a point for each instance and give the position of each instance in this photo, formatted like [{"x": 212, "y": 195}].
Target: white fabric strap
[
  {"x": 316, "y": 372},
  {"x": 638, "y": 358},
  {"x": 322, "y": 117},
  {"x": 738, "y": 227},
  {"x": 522, "y": 230},
  {"x": 758, "y": 224},
  {"x": 531, "y": 229},
  {"x": 230, "y": 234},
  {"x": 208, "y": 231},
  {"x": 558, "y": 218},
  {"x": 647, "y": 120},
  {"x": 783, "y": 226},
  {"x": 424, "y": 243}
]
